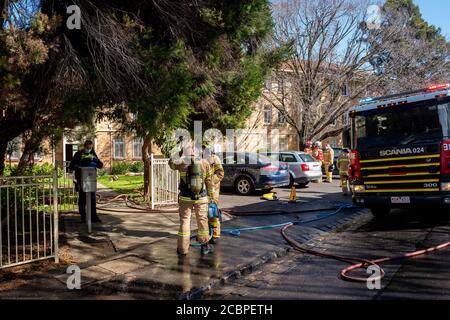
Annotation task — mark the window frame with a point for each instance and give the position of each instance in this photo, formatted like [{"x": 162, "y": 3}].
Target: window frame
[
  {"x": 115, "y": 141},
  {"x": 268, "y": 113},
  {"x": 282, "y": 117},
  {"x": 141, "y": 142}
]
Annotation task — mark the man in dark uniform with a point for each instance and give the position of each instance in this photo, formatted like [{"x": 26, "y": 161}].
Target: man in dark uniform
[{"x": 85, "y": 158}]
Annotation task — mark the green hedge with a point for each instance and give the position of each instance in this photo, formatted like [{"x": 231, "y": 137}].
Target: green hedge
[
  {"x": 45, "y": 169},
  {"x": 123, "y": 167},
  {"x": 120, "y": 168},
  {"x": 137, "y": 167}
]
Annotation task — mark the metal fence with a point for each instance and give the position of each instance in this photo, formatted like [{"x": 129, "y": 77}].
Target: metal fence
[
  {"x": 164, "y": 183},
  {"x": 28, "y": 219},
  {"x": 67, "y": 195}
]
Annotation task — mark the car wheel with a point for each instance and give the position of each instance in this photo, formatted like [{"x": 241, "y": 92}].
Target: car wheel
[
  {"x": 380, "y": 213},
  {"x": 243, "y": 186},
  {"x": 303, "y": 185},
  {"x": 291, "y": 181}
]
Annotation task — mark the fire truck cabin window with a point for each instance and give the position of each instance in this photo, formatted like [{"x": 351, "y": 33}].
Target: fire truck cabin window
[{"x": 402, "y": 126}]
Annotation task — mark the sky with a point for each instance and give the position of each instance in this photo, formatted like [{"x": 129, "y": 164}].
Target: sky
[{"x": 436, "y": 12}]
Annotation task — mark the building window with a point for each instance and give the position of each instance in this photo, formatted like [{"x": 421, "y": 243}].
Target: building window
[
  {"x": 283, "y": 143},
  {"x": 280, "y": 85},
  {"x": 119, "y": 148},
  {"x": 14, "y": 148},
  {"x": 345, "y": 90},
  {"x": 282, "y": 118},
  {"x": 268, "y": 84},
  {"x": 137, "y": 148},
  {"x": 267, "y": 114},
  {"x": 345, "y": 119}
]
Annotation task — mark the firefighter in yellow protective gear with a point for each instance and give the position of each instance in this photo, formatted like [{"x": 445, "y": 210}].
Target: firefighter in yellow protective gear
[
  {"x": 195, "y": 189},
  {"x": 343, "y": 163},
  {"x": 328, "y": 161},
  {"x": 217, "y": 174}
]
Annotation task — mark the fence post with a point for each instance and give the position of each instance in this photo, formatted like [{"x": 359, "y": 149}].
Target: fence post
[
  {"x": 55, "y": 212},
  {"x": 152, "y": 184}
]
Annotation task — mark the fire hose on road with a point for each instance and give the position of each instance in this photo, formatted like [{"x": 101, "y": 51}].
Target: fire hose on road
[{"x": 356, "y": 263}]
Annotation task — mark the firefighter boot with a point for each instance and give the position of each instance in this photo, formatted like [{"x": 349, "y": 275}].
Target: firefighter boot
[{"x": 215, "y": 224}]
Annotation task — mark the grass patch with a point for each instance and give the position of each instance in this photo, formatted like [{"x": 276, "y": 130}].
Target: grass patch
[{"x": 125, "y": 184}]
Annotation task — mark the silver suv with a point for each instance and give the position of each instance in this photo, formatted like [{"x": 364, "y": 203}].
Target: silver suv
[{"x": 303, "y": 168}]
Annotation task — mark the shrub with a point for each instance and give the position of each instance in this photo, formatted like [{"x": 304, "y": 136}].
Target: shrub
[
  {"x": 45, "y": 169},
  {"x": 101, "y": 172},
  {"x": 120, "y": 168},
  {"x": 137, "y": 167}
]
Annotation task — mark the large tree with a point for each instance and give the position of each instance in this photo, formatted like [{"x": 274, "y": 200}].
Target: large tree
[
  {"x": 343, "y": 51},
  {"x": 204, "y": 60},
  {"x": 51, "y": 76},
  {"x": 415, "y": 57},
  {"x": 168, "y": 62}
]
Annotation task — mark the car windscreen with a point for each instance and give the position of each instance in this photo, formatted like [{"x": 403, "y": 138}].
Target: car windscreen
[
  {"x": 401, "y": 126},
  {"x": 306, "y": 157}
]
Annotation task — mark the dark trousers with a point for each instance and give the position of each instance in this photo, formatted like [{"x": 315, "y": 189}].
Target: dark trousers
[{"x": 82, "y": 205}]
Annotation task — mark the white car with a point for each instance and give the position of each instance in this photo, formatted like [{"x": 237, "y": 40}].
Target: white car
[{"x": 303, "y": 168}]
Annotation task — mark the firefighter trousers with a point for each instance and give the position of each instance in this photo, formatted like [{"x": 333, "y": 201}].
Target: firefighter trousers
[
  {"x": 184, "y": 234},
  {"x": 328, "y": 172},
  {"x": 345, "y": 185}
]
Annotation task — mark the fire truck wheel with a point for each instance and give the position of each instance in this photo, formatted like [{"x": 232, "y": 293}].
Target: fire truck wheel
[{"x": 380, "y": 213}]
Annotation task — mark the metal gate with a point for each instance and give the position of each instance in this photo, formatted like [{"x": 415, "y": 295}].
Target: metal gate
[
  {"x": 28, "y": 219},
  {"x": 164, "y": 183},
  {"x": 67, "y": 195}
]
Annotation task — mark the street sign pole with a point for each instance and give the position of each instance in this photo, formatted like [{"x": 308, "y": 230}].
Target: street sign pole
[{"x": 88, "y": 211}]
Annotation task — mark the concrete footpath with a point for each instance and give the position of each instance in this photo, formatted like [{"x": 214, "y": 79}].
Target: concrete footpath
[{"x": 132, "y": 254}]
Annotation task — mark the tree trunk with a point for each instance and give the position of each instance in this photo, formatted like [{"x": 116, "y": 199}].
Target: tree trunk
[
  {"x": 27, "y": 159},
  {"x": 31, "y": 147},
  {"x": 302, "y": 138},
  {"x": 146, "y": 152}
]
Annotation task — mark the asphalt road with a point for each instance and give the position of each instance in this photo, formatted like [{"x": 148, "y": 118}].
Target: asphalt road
[{"x": 302, "y": 276}]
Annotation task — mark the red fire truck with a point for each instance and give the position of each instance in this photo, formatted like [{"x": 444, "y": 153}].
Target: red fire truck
[{"x": 400, "y": 151}]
